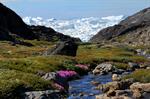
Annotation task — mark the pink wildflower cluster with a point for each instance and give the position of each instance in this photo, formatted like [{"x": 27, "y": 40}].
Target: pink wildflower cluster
[
  {"x": 59, "y": 87},
  {"x": 66, "y": 73},
  {"x": 84, "y": 67}
]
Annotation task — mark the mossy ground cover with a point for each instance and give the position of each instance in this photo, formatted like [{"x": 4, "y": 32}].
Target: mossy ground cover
[
  {"x": 142, "y": 75},
  {"x": 91, "y": 53},
  {"x": 19, "y": 64},
  {"x": 12, "y": 82}
]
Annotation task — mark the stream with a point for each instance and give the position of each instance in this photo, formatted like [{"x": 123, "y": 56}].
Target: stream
[{"x": 84, "y": 89}]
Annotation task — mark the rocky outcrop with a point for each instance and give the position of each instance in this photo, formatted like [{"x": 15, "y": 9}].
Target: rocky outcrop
[
  {"x": 68, "y": 48},
  {"x": 134, "y": 29},
  {"x": 104, "y": 96},
  {"x": 116, "y": 85},
  {"x": 116, "y": 90},
  {"x": 103, "y": 68},
  {"x": 13, "y": 27},
  {"x": 12, "y": 24},
  {"x": 49, "y": 34},
  {"x": 48, "y": 94},
  {"x": 125, "y": 89},
  {"x": 49, "y": 76}
]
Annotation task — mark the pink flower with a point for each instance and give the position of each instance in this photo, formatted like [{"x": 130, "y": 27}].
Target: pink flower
[
  {"x": 84, "y": 67},
  {"x": 66, "y": 73}
]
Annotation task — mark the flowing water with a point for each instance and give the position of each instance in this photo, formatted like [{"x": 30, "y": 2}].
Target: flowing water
[{"x": 84, "y": 89}]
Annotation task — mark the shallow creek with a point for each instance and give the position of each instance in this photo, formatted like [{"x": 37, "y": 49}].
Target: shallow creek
[{"x": 84, "y": 89}]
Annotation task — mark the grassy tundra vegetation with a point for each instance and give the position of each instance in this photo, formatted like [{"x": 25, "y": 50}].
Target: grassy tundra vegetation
[{"x": 19, "y": 64}]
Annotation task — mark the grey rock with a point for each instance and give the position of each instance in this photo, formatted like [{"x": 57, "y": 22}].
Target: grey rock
[
  {"x": 140, "y": 90},
  {"x": 116, "y": 85},
  {"x": 148, "y": 68},
  {"x": 116, "y": 77},
  {"x": 50, "y": 76},
  {"x": 68, "y": 48},
  {"x": 126, "y": 92},
  {"x": 48, "y": 94},
  {"x": 103, "y": 68}
]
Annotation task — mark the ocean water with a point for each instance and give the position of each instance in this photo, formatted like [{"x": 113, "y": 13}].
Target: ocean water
[{"x": 83, "y": 28}]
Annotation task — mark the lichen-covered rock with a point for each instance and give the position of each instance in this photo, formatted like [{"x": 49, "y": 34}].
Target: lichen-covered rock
[
  {"x": 104, "y": 96},
  {"x": 50, "y": 76},
  {"x": 103, "y": 68},
  {"x": 116, "y": 85},
  {"x": 140, "y": 90},
  {"x": 48, "y": 94},
  {"x": 116, "y": 77},
  {"x": 126, "y": 92}
]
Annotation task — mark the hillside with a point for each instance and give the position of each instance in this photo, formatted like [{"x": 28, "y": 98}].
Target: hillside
[
  {"x": 134, "y": 30},
  {"x": 12, "y": 28}
]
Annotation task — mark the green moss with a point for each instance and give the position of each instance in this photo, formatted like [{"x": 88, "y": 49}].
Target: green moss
[
  {"x": 140, "y": 76},
  {"x": 34, "y": 64},
  {"x": 90, "y": 53},
  {"x": 13, "y": 82},
  {"x": 121, "y": 65},
  {"x": 19, "y": 51}
]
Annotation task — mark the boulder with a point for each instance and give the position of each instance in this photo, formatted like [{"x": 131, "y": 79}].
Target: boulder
[
  {"x": 103, "y": 68},
  {"x": 116, "y": 90},
  {"x": 116, "y": 77},
  {"x": 140, "y": 90},
  {"x": 116, "y": 85},
  {"x": 49, "y": 76},
  {"x": 126, "y": 92},
  {"x": 68, "y": 48},
  {"x": 48, "y": 94},
  {"x": 148, "y": 67},
  {"x": 104, "y": 96}
]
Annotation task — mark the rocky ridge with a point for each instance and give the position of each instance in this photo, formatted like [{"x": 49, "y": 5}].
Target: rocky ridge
[
  {"x": 12, "y": 28},
  {"x": 133, "y": 30}
]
